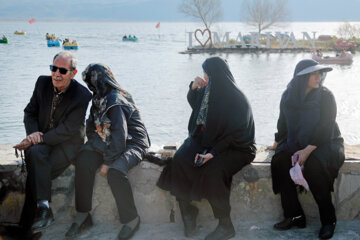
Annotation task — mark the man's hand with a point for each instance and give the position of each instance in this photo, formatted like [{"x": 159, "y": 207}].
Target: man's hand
[
  {"x": 25, "y": 144},
  {"x": 103, "y": 170},
  {"x": 35, "y": 137}
]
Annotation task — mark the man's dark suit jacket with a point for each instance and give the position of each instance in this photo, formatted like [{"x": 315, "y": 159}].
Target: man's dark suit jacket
[{"x": 69, "y": 130}]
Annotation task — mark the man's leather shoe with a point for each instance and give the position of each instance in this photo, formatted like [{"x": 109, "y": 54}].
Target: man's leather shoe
[
  {"x": 221, "y": 233},
  {"x": 288, "y": 223},
  {"x": 76, "y": 229},
  {"x": 43, "y": 218},
  {"x": 327, "y": 231},
  {"x": 189, "y": 219},
  {"x": 127, "y": 232}
]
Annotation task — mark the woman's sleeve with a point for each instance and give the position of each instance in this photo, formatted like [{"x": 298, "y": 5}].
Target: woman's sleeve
[
  {"x": 281, "y": 127},
  {"x": 222, "y": 145},
  {"x": 325, "y": 127},
  {"x": 118, "y": 135},
  {"x": 90, "y": 127},
  {"x": 192, "y": 96}
]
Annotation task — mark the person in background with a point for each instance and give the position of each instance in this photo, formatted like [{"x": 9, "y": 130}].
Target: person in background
[
  {"x": 117, "y": 141},
  {"x": 55, "y": 129},
  {"x": 220, "y": 143},
  {"x": 308, "y": 134}
]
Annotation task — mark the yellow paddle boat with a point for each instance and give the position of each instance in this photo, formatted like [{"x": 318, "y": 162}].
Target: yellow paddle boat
[
  {"x": 20, "y": 33},
  {"x": 70, "y": 45},
  {"x": 50, "y": 36}
]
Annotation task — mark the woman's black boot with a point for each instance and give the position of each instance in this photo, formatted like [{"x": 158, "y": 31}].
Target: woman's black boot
[
  {"x": 327, "y": 231},
  {"x": 188, "y": 214},
  {"x": 224, "y": 230}
]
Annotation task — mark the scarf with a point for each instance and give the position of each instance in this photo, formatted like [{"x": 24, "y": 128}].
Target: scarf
[{"x": 107, "y": 93}]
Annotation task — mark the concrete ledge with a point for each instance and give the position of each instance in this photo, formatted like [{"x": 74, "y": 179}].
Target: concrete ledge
[{"x": 251, "y": 197}]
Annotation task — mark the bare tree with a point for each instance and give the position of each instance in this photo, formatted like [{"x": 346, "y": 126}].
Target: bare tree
[
  {"x": 264, "y": 13},
  {"x": 348, "y": 31},
  {"x": 208, "y": 11}
]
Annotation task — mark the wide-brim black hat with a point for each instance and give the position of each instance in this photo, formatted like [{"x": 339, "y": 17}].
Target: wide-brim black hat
[{"x": 314, "y": 68}]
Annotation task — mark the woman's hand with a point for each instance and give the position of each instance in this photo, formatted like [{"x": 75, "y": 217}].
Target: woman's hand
[
  {"x": 206, "y": 157},
  {"x": 103, "y": 170},
  {"x": 304, "y": 154},
  {"x": 273, "y": 147},
  {"x": 198, "y": 83}
]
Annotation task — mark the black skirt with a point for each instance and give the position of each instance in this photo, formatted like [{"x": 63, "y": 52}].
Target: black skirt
[{"x": 211, "y": 181}]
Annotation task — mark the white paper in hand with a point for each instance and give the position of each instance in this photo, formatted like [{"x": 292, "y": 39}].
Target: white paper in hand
[{"x": 297, "y": 176}]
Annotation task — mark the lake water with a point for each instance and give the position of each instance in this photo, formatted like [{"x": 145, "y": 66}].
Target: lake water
[{"x": 157, "y": 76}]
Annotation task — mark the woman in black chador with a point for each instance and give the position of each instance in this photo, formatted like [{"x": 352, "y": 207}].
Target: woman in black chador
[
  {"x": 221, "y": 135},
  {"x": 307, "y": 131},
  {"x": 117, "y": 141}
]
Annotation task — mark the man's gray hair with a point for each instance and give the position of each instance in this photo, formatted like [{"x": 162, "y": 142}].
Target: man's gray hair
[{"x": 68, "y": 54}]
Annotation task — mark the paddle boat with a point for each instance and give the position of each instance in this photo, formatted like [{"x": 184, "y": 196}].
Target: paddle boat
[
  {"x": 4, "y": 40},
  {"x": 129, "y": 38},
  {"x": 54, "y": 42},
  {"x": 20, "y": 33},
  {"x": 50, "y": 36},
  {"x": 342, "y": 58},
  {"x": 70, "y": 45}
]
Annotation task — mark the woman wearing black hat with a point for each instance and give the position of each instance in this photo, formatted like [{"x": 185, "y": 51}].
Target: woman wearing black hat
[
  {"x": 220, "y": 143},
  {"x": 307, "y": 130}
]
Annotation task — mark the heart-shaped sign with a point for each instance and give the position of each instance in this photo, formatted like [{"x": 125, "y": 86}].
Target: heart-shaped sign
[{"x": 202, "y": 35}]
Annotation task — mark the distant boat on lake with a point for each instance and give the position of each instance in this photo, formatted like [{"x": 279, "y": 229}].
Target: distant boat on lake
[
  {"x": 129, "y": 38},
  {"x": 70, "y": 45},
  {"x": 342, "y": 58},
  {"x": 53, "y": 43},
  {"x": 20, "y": 33},
  {"x": 4, "y": 40}
]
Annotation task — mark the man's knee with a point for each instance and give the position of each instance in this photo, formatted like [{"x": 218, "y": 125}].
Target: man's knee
[{"x": 36, "y": 152}]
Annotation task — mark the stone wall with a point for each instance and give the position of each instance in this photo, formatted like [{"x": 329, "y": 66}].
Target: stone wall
[{"x": 251, "y": 196}]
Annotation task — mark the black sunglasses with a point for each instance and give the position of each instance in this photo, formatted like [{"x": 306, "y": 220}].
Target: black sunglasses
[{"x": 61, "y": 70}]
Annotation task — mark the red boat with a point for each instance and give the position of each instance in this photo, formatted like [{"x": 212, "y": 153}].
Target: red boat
[
  {"x": 343, "y": 45},
  {"x": 342, "y": 58}
]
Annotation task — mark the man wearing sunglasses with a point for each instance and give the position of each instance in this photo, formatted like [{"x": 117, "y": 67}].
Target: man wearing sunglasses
[{"x": 54, "y": 123}]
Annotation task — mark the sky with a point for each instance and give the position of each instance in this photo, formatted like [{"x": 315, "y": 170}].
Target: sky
[{"x": 164, "y": 10}]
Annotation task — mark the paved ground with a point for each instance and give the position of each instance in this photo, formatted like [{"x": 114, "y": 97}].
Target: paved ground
[{"x": 346, "y": 230}]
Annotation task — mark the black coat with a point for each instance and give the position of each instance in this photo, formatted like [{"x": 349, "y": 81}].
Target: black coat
[
  {"x": 69, "y": 128},
  {"x": 326, "y": 137},
  {"x": 229, "y": 121},
  {"x": 127, "y": 131}
]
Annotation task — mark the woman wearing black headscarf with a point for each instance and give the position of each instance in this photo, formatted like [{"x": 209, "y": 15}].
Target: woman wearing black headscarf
[
  {"x": 307, "y": 130},
  {"x": 221, "y": 124},
  {"x": 117, "y": 141}
]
